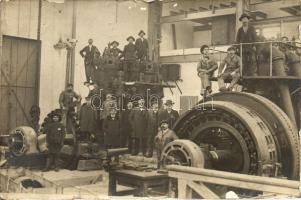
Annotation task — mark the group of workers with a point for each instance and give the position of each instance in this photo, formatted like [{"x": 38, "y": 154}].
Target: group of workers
[
  {"x": 128, "y": 60},
  {"x": 137, "y": 127},
  {"x": 252, "y": 48},
  {"x": 229, "y": 68}
]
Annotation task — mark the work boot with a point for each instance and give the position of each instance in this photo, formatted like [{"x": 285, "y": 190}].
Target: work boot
[{"x": 56, "y": 169}]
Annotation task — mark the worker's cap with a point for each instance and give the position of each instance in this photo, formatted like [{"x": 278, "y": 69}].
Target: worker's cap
[
  {"x": 203, "y": 47},
  {"x": 232, "y": 48},
  {"x": 115, "y": 42},
  {"x": 169, "y": 102},
  {"x": 163, "y": 122},
  {"x": 56, "y": 114},
  {"x": 69, "y": 85},
  {"x": 131, "y": 37},
  {"x": 141, "y": 32},
  {"x": 244, "y": 15}
]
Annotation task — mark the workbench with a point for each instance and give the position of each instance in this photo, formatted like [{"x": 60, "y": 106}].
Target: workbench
[{"x": 141, "y": 181}]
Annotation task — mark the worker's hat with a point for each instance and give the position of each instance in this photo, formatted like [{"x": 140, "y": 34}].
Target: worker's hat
[
  {"x": 164, "y": 121},
  {"x": 203, "y": 47},
  {"x": 231, "y": 48},
  {"x": 244, "y": 15},
  {"x": 56, "y": 114},
  {"x": 141, "y": 32},
  {"x": 131, "y": 37},
  {"x": 169, "y": 102},
  {"x": 115, "y": 42}
]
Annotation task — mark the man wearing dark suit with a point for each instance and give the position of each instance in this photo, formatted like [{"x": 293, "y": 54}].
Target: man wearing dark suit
[
  {"x": 169, "y": 114},
  {"x": 152, "y": 127},
  {"x": 142, "y": 46},
  {"x": 138, "y": 120},
  {"x": 130, "y": 58},
  {"x": 247, "y": 34},
  {"x": 90, "y": 53}
]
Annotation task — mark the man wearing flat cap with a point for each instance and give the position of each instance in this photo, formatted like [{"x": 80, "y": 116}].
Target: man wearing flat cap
[
  {"x": 169, "y": 113},
  {"x": 229, "y": 69},
  {"x": 142, "y": 46},
  {"x": 247, "y": 34},
  {"x": 206, "y": 67},
  {"x": 130, "y": 58}
]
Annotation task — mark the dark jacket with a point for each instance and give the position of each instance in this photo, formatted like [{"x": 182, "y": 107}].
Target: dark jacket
[
  {"x": 163, "y": 138},
  {"x": 129, "y": 52},
  {"x": 125, "y": 123},
  {"x": 152, "y": 123},
  {"x": 112, "y": 130},
  {"x": 142, "y": 47},
  {"x": 90, "y": 55},
  {"x": 246, "y": 37},
  {"x": 115, "y": 52},
  {"x": 55, "y": 133},
  {"x": 206, "y": 64},
  {"x": 67, "y": 99},
  {"x": 87, "y": 117},
  {"x": 232, "y": 64},
  {"x": 138, "y": 119},
  {"x": 170, "y": 117}
]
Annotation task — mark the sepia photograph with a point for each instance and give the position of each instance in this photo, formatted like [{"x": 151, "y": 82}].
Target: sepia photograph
[{"x": 150, "y": 99}]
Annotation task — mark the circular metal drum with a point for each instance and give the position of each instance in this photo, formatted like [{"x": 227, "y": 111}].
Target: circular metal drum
[
  {"x": 182, "y": 152},
  {"x": 237, "y": 133},
  {"x": 284, "y": 132},
  {"x": 23, "y": 140}
]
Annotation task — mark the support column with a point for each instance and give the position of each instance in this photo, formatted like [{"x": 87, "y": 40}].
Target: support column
[
  {"x": 242, "y": 6},
  {"x": 73, "y": 37},
  {"x": 154, "y": 29}
]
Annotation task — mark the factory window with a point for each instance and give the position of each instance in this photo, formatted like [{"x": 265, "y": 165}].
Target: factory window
[{"x": 271, "y": 33}]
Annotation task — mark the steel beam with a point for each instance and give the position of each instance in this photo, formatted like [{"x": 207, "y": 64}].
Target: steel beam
[{"x": 198, "y": 15}]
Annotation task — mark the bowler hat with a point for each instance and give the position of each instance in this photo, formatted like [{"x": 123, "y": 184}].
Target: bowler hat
[
  {"x": 231, "y": 48},
  {"x": 56, "y": 114},
  {"x": 141, "y": 32},
  {"x": 244, "y": 15},
  {"x": 169, "y": 102},
  {"x": 115, "y": 42},
  {"x": 131, "y": 37},
  {"x": 164, "y": 121},
  {"x": 203, "y": 47}
]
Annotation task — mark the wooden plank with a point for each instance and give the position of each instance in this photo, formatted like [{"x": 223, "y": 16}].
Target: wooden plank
[
  {"x": 238, "y": 183},
  {"x": 184, "y": 192},
  {"x": 276, "y": 4},
  {"x": 198, "y": 15},
  {"x": 202, "y": 190},
  {"x": 235, "y": 176}
]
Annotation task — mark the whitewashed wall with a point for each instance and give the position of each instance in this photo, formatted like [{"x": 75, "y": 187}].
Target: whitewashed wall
[{"x": 102, "y": 20}]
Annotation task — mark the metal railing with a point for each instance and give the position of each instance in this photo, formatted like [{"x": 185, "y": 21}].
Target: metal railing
[{"x": 267, "y": 47}]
